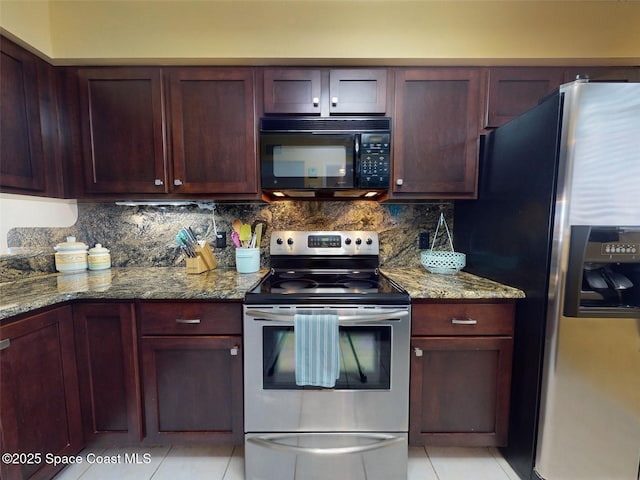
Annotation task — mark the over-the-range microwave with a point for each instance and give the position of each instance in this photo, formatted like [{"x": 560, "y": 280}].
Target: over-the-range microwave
[{"x": 305, "y": 157}]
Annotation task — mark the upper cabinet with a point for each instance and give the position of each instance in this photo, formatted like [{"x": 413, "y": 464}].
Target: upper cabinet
[
  {"x": 197, "y": 137},
  {"x": 436, "y": 125},
  {"x": 307, "y": 91},
  {"x": 514, "y": 90},
  {"x": 122, "y": 130},
  {"x": 603, "y": 74},
  {"x": 28, "y": 124},
  {"x": 213, "y": 130}
]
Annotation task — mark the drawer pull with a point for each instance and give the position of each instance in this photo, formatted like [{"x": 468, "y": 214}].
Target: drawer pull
[
  {"x": 234, "y": 350},
  {"x": 5, "y": 343},
  {"x": 468, "y": 321},
  {"x": 187, "y": 320},
  {"x": 418, "y": 351}
]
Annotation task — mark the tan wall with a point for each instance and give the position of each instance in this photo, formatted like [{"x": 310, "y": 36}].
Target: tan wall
[
  {"x": 28, "y": 21},
  {"x": 259, "y": 31}
]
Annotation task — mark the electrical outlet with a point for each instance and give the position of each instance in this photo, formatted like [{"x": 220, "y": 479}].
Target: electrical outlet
[
  {"x": 423, "y": 241},
  {"x": 221, "y": 240}
]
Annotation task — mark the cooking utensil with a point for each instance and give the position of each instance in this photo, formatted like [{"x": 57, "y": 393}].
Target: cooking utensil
[
  {"x": 236, "y": 225},
  {"x": 235, "y": 238},
  {"x": 245, "y": 234},
  {"x": 258, "y": 234}
]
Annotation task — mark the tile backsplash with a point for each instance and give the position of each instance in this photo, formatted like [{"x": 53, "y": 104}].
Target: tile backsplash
[{"x": 145, "y": 235}]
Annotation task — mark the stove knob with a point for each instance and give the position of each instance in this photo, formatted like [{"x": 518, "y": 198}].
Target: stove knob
[
  {"x": 358, "y": 241},
  {"x": 347, "y": 241},
  {"x": 279, "y": 241},
  {"x": 290, "y": 241},
  {"x": 369, "y": 241}
]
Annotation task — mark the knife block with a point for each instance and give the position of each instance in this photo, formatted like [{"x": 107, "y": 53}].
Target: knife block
[
  {"x": 196, "y": 265},
  {"x": 205, "y": 260}
]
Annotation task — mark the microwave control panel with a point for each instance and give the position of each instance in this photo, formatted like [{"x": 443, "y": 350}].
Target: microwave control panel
[{"x": 375, "y": 160}]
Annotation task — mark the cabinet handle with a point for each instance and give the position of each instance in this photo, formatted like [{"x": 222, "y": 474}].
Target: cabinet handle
[
  {"x": 418, "y": 351},
  {"x": 316, "y": 101},
  {"x": 234, "y": 350},
  {"x": 334, "y": 101},
  {"x": 468, "y": 321},
  {"x": 158, "y": 182},
  {"x": 177, "y": 182},
  {"x": 187, "y": 320},
  {"x": 4, "y": 344},
  {"x": 399, "y": 181}
]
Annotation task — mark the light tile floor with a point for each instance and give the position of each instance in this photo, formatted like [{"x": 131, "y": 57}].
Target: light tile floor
[{"x": 227, "y": 463}]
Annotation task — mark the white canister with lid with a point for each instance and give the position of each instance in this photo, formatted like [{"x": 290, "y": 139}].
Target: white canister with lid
[
  {"x": 99, "y": 258},
  {"x": 71, "y": 256}
]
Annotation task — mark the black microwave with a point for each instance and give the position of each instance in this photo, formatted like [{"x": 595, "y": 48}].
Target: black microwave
[{"x": 325, "y": 157}]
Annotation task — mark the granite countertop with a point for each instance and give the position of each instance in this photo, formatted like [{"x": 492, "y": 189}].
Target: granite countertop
[
  {"x": 149, "y": 283},
  {"x": 173, "y": 283},
  {"x": 422, "y": 284}
]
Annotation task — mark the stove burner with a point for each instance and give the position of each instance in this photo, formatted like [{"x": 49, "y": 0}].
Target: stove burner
[
  {"x": 359, "y": 275},
  {"x": 297, "y": 284},
  {"x": 291, "y": 274},
  {"x": 358, "y": 284}
]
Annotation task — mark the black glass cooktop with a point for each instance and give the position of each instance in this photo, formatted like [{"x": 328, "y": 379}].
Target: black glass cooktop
[{"x": 309, "y": 286}]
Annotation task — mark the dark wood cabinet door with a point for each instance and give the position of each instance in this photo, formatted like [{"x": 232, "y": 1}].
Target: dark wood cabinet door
[
  {"x": 353, "y": 91},
  {"x": 459, "y": 393},
  {"x": 436, "y": 133},
  {"x": 514, "y": 90},
  {"x": 321, "y": 91},
  {"x": 108, "y": 372},
  {"x": 292, "y": 90},
  {"x": 213, "y": 131},
  {"x": 21, "y": 153},
  {"x": 193, "y": 389},
  {"x": 122, "y": 123},
  {"x": 39, "y": 393}
]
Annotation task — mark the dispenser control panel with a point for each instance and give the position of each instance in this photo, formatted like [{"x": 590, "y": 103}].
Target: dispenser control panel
[{"x": 620, "y": 248}]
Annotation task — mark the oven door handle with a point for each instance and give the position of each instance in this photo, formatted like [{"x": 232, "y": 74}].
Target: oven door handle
[
  {"x": 372, "y": 317},
  {"x": 270, "y": 441}
]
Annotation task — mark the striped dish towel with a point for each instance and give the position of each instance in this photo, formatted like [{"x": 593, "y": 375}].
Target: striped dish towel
[{"x": 317, "y": 349}]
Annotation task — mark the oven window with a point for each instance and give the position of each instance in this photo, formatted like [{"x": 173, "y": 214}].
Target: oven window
[{"x": 365, "y": 357}]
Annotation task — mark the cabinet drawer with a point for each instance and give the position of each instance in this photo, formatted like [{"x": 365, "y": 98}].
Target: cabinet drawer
[
  {"x": 462, "y": 319},
  {"x": 190, "y": 318}
]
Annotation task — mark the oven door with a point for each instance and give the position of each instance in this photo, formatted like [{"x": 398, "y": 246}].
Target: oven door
[
  {"x": 374, "y": 374},
  {"x": 307, "y": 161}
]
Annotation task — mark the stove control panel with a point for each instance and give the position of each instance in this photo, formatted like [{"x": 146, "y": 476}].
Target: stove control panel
[{"x": 349, "y": 242}]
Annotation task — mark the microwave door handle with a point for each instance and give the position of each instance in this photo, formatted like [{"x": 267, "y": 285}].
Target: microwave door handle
[{"x": 371, "y": 317}]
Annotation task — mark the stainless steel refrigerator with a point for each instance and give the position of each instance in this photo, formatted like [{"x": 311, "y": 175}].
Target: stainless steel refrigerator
[{"x": 558, "y": 216}]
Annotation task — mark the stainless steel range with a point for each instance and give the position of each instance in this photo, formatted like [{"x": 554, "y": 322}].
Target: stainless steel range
[{"x": 326, "y": 362}]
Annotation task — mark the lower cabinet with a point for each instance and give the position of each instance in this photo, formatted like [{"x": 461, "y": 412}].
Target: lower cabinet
[
  {"x": 461, "y": 357},
  {"x": 39, "y": 405},
  {"x": 192, "y": 372},
  {"x": 108, "y": 372}
]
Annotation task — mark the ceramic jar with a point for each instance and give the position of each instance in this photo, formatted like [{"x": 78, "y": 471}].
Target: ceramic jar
[
  {"x": 71, "y": 256},
  {"x": 99, "y": 258}
]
